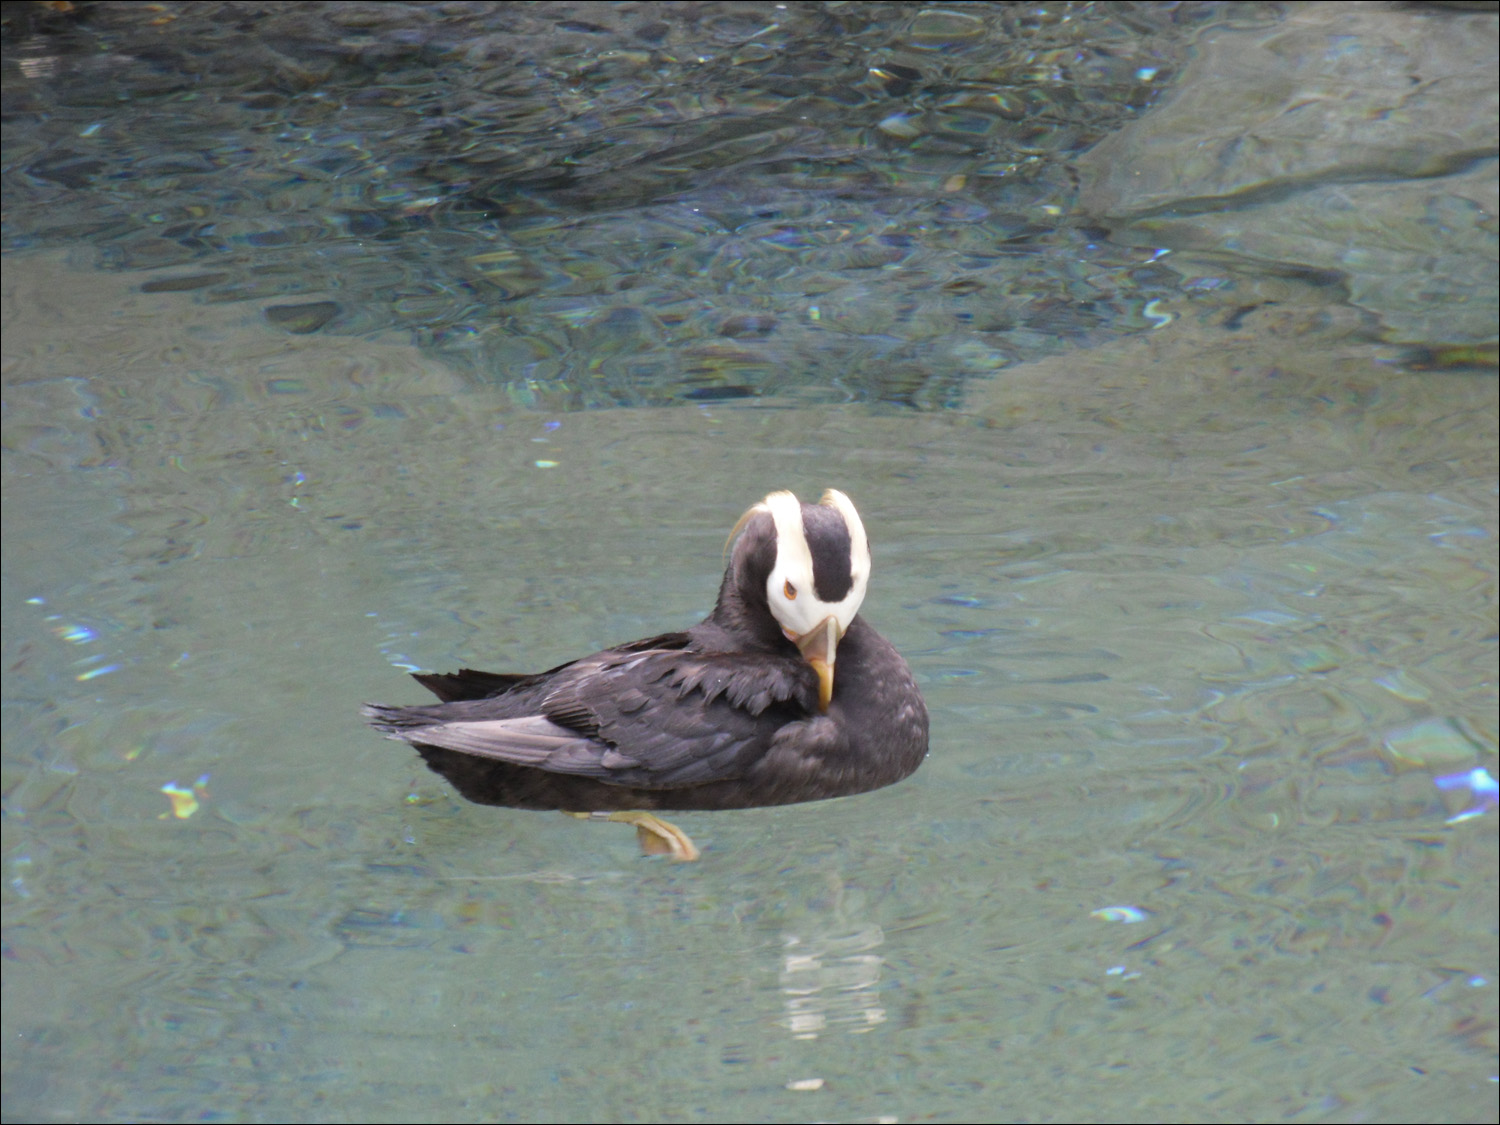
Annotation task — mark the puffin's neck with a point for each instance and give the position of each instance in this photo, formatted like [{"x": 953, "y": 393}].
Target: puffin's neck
[{"x": 742, "y": 613}]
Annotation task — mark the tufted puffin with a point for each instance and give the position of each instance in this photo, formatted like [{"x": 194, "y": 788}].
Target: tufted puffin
[{"x": 743, "y": 709}]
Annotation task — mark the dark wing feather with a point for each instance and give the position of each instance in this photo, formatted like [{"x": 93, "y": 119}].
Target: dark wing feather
[
  {"x": 647, "y": 719},
  {"x": 680, "y": 718},
  {"x": 467, "y": 683},
  {"x": 470, "y": 683}
]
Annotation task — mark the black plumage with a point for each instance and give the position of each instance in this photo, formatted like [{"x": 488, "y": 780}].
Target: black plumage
[{"x": 739, "y": 711}]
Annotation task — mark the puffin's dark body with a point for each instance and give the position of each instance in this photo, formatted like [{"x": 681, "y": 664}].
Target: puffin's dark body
[{"x": 723, "y": 716}]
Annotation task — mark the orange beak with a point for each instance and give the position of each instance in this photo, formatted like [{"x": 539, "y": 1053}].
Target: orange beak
[{"x": 818, "y": 648}]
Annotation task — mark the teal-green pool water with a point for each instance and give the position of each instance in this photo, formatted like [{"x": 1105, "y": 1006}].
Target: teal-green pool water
[{"x": 1195, "y": 565}]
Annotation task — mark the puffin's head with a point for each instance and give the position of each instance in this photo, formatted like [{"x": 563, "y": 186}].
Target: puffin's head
[{"x": 819, "y": 566}]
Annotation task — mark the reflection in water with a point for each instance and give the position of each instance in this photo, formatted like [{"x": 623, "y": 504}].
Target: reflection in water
[
  {"x": 1477, "y": 781},
  {"x": 829, "y": 982}
]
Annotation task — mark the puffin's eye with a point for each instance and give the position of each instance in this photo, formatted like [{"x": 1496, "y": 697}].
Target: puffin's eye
[{"x": 790, "y": 591}]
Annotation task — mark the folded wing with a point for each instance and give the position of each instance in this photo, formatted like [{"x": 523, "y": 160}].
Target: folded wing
[{"x": 657, "y": 718}]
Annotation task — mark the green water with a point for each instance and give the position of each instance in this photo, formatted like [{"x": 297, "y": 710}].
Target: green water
[{"x": 1201, "y": 613}]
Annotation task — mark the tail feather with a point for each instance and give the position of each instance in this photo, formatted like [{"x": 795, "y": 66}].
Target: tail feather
[
  {"x": 468, "y": 684},
  {"x": 394, "y": 721}
]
